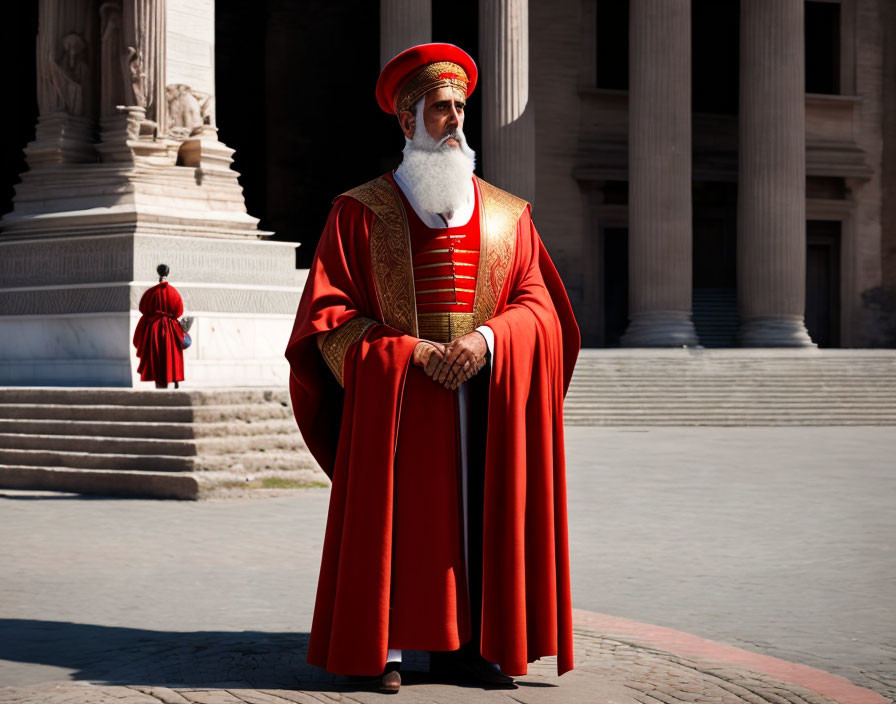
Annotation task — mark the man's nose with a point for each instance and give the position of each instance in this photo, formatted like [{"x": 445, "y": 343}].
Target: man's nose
[{"x": 454, "y": 115}]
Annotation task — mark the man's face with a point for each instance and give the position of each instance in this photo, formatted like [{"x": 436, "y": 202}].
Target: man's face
[{"x": 443, "y": 113}]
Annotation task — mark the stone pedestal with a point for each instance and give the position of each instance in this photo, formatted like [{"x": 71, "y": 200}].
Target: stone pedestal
[
  {"x": 659, "y": 207},
  {"x": 98, "y": 210},
  {"x": 508, "y": 119},
  {"x": 771, "y": 203},
  {"x": 68, "y": 306}
]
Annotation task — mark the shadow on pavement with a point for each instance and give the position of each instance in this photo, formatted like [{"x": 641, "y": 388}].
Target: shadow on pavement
[{"x": 134, "y": 656}]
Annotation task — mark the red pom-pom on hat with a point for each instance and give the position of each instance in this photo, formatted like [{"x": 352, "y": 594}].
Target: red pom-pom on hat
[{"x": 403, "y": 80}]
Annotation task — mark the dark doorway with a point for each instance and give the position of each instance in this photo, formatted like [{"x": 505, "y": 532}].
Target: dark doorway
[
  {"x": 822, "y": 28},
  {"x": 18, "y": 36},
  {"x": 615, "y": 258},
  {"x": 715, "y": 27},
  {"x": 295, "y": 98},
  {"x": 612, "y": 44},
  {"x": 715, "y": 263},
  {"x": 823, "y": 282}
]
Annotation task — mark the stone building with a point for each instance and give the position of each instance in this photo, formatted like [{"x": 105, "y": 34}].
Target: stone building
[{"x": 703, "y": 171}]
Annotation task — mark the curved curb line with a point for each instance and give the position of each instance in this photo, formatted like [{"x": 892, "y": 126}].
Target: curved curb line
[{"x": 834, "y": 687}]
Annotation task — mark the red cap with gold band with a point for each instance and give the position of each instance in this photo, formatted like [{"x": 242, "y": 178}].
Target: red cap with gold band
[{"x": 420, "y": 69}]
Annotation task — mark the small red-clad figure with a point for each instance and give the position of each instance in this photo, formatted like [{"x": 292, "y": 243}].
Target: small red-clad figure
[{"x": 159, "y": 337}]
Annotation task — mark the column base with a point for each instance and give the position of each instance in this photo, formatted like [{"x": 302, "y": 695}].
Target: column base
[
  {"x": 59, "y": 139},
  {"x": 774, "y": 331},
  {"x": 666, "y": 328}
]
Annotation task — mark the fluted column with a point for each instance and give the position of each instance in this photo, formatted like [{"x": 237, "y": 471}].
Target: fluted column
[
  {"x": 771, "y": 204},
  {"x": 659, "y": 202},
  {"x": 403, "y": 24},
  {"x": 508, "y": 121}
]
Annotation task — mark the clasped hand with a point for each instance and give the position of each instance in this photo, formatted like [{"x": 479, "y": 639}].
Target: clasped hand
[{"x": 454, "y": 363}]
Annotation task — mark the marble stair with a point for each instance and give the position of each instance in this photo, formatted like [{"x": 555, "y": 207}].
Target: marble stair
[
  {"x": 630, "y": 387},
  {"x": 164, "y": 444}
]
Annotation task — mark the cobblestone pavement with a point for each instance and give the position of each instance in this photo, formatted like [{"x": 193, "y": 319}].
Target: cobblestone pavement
[
  {"x": 777, "y": 540},
  {"x": 259, "y": 669}
]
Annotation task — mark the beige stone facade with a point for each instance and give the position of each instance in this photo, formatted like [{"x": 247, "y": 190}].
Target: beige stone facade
[{"x": 583, "y": 194}]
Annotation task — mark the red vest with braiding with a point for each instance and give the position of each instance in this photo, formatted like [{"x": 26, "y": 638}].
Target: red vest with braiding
[{"x": 445, "y": 263}]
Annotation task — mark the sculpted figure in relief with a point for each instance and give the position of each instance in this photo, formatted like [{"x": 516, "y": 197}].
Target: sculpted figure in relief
[
  {"x": 136, "y": 74},
  {"x": 188, "y": 110},
  {"x": 69, "y": 74},
  {"x": 112, "y": 82}
]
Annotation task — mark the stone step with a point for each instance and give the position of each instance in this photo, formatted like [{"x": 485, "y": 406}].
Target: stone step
[
  {"x": 713, "y": 363},
  {"x": 157, "y": 485},
  {"x": 185, "y": 431},
  {"x": 751, "y": 378},
  {"x": 89, "y": 460},
  {"x": 140, "y": 397},
  {"x": 696, "y": 407},
  {"x": 233, "y": 462},
  {"x": 772, "y": 411},
  {"x": 701, "y": 371},
  {"x": 153, "y": 446},
  {"x": 883, "y": 390},
  {"x": 726, "y": 421},
  {"x": 648, "y": 370},
  {"x": 670, "y": 391},
  {"x": 148, "y": 414}
]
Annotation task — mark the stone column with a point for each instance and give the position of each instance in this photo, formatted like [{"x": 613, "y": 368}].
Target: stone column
[
  {"x": 771, "y": 203},
  {"x": 508, "y": 120},
  {"x": 659, "y": 203},
  {"x": 132, "y": 79},
  {"x": 403, "y": 24},
  {"x": 143, "y": 30}
]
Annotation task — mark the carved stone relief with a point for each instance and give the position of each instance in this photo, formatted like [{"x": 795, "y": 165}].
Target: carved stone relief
[
  {"x": 64, "y": 57},
  {"x": 112, "y": 79},
  {"x": 188, "y": 110},
  {"x": 143, "y": 56}
]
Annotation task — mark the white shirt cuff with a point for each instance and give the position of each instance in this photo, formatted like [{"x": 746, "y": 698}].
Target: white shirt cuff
[{"x": 489, "y": 336}]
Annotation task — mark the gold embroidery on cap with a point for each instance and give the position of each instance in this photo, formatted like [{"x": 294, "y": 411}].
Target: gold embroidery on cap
[{"x": 440, "y": 74}]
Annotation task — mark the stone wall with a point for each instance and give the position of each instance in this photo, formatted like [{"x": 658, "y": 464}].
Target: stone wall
[{"x": 863, "y": 257}]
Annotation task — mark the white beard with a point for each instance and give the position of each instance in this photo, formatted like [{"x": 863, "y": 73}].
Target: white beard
[{"x": 438, "y": 175}]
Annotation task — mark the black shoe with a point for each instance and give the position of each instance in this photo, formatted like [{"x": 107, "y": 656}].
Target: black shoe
[
  {"x": 390, "y": 682},
  {"x": 468, "y": 663},
  {"x": 485, "y": 672}
]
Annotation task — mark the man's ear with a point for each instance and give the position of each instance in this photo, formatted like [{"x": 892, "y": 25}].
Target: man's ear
[{"x": 407, "y": 122}]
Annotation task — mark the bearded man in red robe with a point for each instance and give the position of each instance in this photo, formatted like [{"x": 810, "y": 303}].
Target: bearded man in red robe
[
  {"x": 431, "y": 353},
  {"x": 159, "y": 337}
]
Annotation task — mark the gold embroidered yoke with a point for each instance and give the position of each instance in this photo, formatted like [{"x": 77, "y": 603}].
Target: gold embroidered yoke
[{"x": 441, "y": 311}]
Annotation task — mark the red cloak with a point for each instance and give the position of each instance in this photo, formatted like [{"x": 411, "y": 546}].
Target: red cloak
[
  {"x": 159, "y": 337},
  {"x": 387, "y": 418}
]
